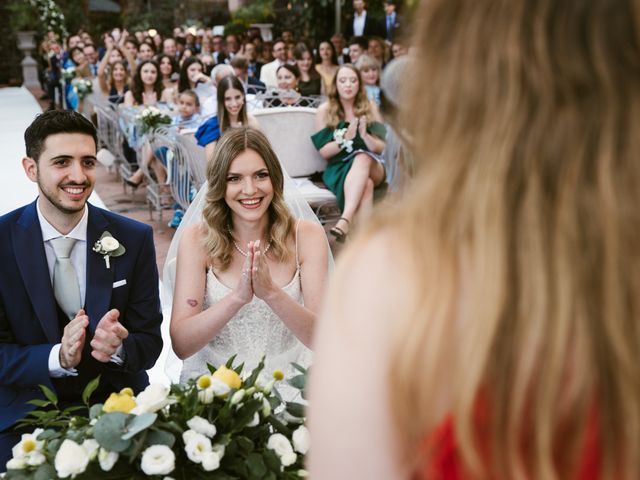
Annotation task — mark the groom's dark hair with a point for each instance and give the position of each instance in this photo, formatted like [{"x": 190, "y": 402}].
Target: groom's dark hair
[{"x": 52, "y": 122}]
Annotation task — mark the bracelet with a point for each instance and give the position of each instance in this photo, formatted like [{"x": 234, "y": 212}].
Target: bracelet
[{"x": 344, "y": 144}]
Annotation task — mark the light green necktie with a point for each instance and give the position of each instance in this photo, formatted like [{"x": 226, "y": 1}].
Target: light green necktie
[{"x": 65, "y": 280}]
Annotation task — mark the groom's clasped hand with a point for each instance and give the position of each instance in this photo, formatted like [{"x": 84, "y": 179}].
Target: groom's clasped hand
[
  {"x": 256, "y": 277},
  {"x": 108, "y": 337}
]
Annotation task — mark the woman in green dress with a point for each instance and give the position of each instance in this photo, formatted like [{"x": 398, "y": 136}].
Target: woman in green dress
[{"x": 351, "y": 137}]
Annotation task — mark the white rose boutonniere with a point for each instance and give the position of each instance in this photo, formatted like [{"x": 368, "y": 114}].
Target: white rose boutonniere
[{"x": 108, "y": 247}]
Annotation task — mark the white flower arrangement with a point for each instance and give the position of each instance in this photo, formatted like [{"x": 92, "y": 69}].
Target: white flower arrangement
[
  {"x": 107, "y": 246},
  {"x": 150, "y": 118},
  {"x": 165, "y": 432},
  {"x": 82, "y": 86},
  {"x": 344, "y": 144}
]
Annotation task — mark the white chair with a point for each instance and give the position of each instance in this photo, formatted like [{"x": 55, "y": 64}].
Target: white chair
[{"x": 289, "y": 130}]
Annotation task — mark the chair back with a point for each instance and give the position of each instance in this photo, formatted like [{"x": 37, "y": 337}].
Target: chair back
[{"x": 289, "y": 130}]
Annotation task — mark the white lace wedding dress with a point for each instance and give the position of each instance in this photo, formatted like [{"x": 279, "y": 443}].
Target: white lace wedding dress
[{"x": 253, "y": 332}]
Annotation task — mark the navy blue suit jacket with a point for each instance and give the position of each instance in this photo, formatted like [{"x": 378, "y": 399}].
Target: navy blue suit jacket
[{"x": 29, "y": 325}]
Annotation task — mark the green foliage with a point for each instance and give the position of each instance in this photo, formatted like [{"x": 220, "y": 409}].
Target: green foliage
[{"x": 244, "y": 421}]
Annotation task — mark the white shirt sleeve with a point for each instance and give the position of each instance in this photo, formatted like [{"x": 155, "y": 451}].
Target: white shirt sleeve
[
  {"x": 55, "y": 369},
  {"x": 118, "y": 357}
]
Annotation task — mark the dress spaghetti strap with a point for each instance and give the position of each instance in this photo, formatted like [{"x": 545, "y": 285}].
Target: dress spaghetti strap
[{"x": 297, "y": 257}]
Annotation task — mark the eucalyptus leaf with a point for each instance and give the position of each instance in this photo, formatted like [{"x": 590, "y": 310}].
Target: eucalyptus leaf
[
  {"x": 296, "y": 409},
  {"x": 299, "y": 381},
  {"x": 39, "y": 403},
  {"x": 160, "y": 437},
  {"x": 139, "y": 423},
  {"x": 95, "y": 410},
  {"x": 108, "y": 432},
  {"x": 89, "y": 389},
  {"x": 299, "y": 367},
  {"x": 44, "y": 472}
]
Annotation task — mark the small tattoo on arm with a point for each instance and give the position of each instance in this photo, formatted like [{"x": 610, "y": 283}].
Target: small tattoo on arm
[{"x": 192, "y": 302}]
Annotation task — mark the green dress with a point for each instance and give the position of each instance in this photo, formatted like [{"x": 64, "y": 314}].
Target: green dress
[{"x": 339, "y": 165}]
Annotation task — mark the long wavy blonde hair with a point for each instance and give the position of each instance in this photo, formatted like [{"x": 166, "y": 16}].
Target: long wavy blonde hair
[
  {"x": 218, "y": 239},
  {"x": 524, "y": 230},
  {"x": 361, "y": 106}
]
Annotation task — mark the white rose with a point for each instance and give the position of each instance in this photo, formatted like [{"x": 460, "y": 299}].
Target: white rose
[
  {"x": 301, "y": 439},
  {"x": 196, "y": 446},
  {"x": 279, "y": 444},
  {"x": 29, "y": 448},
  {"x": 158, "y": 460},
  {"x": 107, "y": 459},
  {"x": 201, "y": 425},
  {"x": 210, "y": 461},
  {"x": 288, "y": 459},
  {"x": 219, "y": 449},
  {"x": 255, "y": 421},
  {"x": 16, "y": 464},
  {"x": 109, "y": 244},
  {"x": 91, "y": 447},
  {"x": 71, "y": 459},
  {"x": 154, "y": 397}
]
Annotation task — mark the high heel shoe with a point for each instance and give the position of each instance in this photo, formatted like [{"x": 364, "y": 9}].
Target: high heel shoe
[
  {"x": 339, "y": 234},
  {"x": 131, "y": 183}
]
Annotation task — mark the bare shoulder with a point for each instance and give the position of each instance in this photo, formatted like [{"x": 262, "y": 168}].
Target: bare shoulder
[
  {"x": 192, "y": 237},
  {"x": 321, "y": 111},
  {"x": 252, "y": 122},
  {"x": 375, "y": 111}
]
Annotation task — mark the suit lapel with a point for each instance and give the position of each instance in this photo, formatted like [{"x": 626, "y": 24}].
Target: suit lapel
[
  {"x": 32, "y": 263},
  {"x": 99, "y": 277}
]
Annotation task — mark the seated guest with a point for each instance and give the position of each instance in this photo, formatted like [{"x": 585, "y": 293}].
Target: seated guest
[
  {"x": 232, "y": 112},
  {"x": 147, "y": 88},
  {"x": 169, "y": 70},
  {"x": 240, "y": 68},
  {"x": 310, "y": 82},
  {"x": 188, "y": 117},
  {"x": 268, "y": 71},
  {"x": 117, "y": 85},
  {"x": 192, "y": 77},
  {"x": 351, "y": 137},
  {"x": 378, "y": 49},
  {"x": 357, "y": 46},
  {"x": 210, "y": 105},
  {"x": 340, "y": 45},
  {"x": 370, "y": 71},
  {"x": 509, "y": 266},
  {"x": 62, "y": 322},
  {"x": 146, "y": 51},
  {"x": 326, "y": 64}
]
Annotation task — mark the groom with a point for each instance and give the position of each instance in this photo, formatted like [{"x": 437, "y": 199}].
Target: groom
[{"x": 67, "y": 312}]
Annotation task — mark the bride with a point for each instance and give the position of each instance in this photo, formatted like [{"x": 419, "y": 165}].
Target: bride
[{"x": 249, "y": 277}]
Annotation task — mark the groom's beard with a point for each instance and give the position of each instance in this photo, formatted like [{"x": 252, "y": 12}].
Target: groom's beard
[{"x": 56, "y": 199}]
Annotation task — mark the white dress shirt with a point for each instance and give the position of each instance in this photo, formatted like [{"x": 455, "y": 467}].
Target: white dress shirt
[
  {"x": 268, "y": 73},
  {"x": 358, "y": 23},
  {"x": 78, "y": 259}
]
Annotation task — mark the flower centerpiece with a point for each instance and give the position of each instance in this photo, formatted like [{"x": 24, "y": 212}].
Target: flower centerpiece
[
  {"x": 82, "y": 86},
  {"x": 151, "y": 118},
  {"x": 219, "y": 425}
]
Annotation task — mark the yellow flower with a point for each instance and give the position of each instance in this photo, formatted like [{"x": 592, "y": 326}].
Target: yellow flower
[
  {"x": 278, "y": 375},
  {"x": 118, "y": 402},
  {"x": 228, "y": 376},
  {"x": 126, "y": 391},
  {"x": 204, "y": 382}
]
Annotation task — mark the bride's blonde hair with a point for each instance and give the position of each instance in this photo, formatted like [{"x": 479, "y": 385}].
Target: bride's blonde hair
[
  {"x": 218, "y": 239},
  {"x": 523, "y": 226}
]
